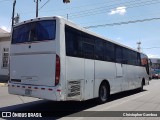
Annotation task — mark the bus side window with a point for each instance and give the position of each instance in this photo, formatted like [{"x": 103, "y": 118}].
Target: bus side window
[
  {"x": 70, "y": 50},
  {"x": 109, "y": 49},
  {"x": 118, "y": 54},
  {"x": 138, "y": 59},
  {"x": 73, "y": 43},
  {"x": 144, "y": 62},
  {"x": 88, "y": 50},
  {"x": 125, "y": 56},
  {"x": 99, "y": 49}
]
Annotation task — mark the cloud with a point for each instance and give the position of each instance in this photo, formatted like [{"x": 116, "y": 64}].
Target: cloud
[
  {"x": 119, "y": 10},
  {"x": 5, "y": 28},
  {"x": 153, "y": 56}
]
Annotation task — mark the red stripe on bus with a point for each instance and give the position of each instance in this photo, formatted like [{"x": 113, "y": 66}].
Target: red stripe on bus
[
  {"x": 50, "y": 89},
  {"x": 42, "y": 88},
  {"x": 35, "y": 87}
]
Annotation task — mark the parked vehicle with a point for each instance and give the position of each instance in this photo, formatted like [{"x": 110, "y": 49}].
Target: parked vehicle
[{"x": 156, "y": 76}]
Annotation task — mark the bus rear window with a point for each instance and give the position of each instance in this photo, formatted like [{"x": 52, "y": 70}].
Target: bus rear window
[{"x": 34, "y": 31}]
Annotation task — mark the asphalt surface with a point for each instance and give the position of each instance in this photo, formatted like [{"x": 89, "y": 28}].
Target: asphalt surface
[
  {"x": 147, "y": 100},
  {"x": 3, "y": 80}
]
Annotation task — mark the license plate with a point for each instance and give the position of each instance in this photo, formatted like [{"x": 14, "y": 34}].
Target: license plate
[{"x": 28, "y": 92}]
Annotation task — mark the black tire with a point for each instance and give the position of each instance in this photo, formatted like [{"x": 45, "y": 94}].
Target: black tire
[
  {"x": 104, "y": 93},
  {"x": 141, "y": 88}
]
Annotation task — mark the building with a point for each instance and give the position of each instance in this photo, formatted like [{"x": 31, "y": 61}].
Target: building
[
  {"x": 4, "y": 52},
  {"x": 155, "y": 63}
]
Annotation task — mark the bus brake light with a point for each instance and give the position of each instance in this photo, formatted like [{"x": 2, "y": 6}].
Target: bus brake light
[{"x": 57, "y": 74}]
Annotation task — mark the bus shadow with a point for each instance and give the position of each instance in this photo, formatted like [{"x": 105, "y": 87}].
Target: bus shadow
[
  {"x": 124, "y": 94},
  {"x": 63, "y": 108}
]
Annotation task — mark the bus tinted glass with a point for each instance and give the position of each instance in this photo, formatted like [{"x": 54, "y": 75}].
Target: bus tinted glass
[
  {"x": 144, "y": 62},
  {"x": 34, "y": 31},
  {"x": 83, "y": 45}
]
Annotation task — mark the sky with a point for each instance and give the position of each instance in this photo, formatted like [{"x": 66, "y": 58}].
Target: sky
[{"x": 93, "y": 13}]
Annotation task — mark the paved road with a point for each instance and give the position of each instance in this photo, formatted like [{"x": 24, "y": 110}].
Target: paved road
[
  {"x": 148, "y": 100},
  {"x": 3, "y": 80}
]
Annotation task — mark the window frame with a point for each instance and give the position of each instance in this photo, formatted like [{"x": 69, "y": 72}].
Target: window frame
[{"x": 25, "y": 31}]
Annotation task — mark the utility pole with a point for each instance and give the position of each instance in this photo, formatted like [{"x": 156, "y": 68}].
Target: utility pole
[
  {"x": 67, "y": 16},
  {"x": 139, "y": 46},
  {"x": 37, "y": 2},
  {"x": 14, "y": 3},
  {"x": 16, "y": 19}
]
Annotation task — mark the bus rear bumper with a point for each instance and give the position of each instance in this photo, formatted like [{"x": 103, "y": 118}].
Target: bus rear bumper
[{"x": 42, "y": 92}]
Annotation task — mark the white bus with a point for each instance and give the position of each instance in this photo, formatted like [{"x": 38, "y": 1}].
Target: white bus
[{"x": 52, "y": 58}]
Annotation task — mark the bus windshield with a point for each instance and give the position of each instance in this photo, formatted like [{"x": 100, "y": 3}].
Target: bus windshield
[{"x": 34, "y": 31}]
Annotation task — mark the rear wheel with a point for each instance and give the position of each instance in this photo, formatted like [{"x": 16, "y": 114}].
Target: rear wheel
[
  {"x": 103, "y": 93},
  {"x": 142, "y": 84}
]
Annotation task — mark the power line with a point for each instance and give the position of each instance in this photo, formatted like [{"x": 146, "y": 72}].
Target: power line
[
  {"x": 43, "y": 5},
  {"x": 151, "y": 48},
  {"x": 5, "y": 0},
  {"x": 104, "y": 9},
  {"x": 109, "y": 8},
  {"x": 122, "y": 23},
  {"x": 76, "y": 7},
  {"x": 101, "y": 10},
  {"x": 146, "y": 15}
]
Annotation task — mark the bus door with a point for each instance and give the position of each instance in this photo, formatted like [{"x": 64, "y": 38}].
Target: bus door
[{"x": 88, "y": 52}]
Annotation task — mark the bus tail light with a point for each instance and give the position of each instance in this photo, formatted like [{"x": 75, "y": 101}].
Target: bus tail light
[{"x": 57, "y": 74}]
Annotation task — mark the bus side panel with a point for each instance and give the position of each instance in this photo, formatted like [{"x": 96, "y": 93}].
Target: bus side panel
[
  {"x": 143, "y": 74},
  {"x": 130, "y": 76},
  {"x": 62, "y": 52},
  {"x": 125, "y": 82},
  {"x": 138, "y": 77},
  {"x": 105, "y": 71},
  {"x": 75, "y": 78}
]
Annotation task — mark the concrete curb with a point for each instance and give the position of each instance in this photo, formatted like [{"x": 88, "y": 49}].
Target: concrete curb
[{"x": 3, "y": 84}]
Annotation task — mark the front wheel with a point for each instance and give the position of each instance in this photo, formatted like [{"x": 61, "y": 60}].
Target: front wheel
[{"x": 103, "y": 93}]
